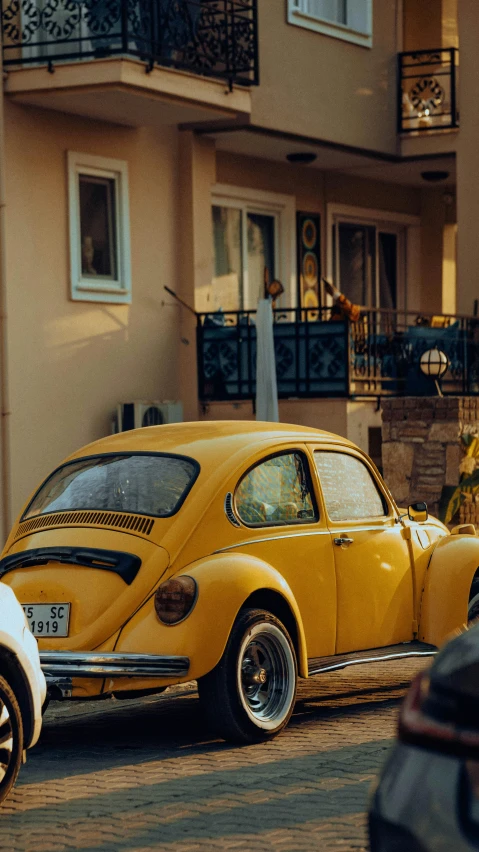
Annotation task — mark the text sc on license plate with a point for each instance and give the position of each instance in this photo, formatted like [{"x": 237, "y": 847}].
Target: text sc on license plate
[{"x": 48, "y": 619}]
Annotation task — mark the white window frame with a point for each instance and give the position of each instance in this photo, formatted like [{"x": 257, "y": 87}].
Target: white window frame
[
  {"x": 282, "y": 208},
  {"x": 298, "y": 16},
  {"x": 408, "y": 246},
  {"x": 86, "y": 289}
]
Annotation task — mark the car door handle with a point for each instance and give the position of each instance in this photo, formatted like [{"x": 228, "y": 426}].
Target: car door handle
[{"x": 343, "y": 540}]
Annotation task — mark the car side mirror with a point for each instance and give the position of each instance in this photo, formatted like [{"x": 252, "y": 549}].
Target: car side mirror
[{"x": 418, "y": 512}]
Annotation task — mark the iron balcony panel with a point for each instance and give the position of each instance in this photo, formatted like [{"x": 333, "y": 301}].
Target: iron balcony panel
[
  {"x": 377, "y": 356},
  {"x": 427, "y": 90},
  {"x": 210, "y": 39},
  {"x": 91, "y": 664}
]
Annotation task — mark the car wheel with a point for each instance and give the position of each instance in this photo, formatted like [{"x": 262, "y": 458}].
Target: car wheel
[
  {"x": 473, "y": 607},
  {"x": 249, "y": 696},
  {"x": 11, "y": 738}
]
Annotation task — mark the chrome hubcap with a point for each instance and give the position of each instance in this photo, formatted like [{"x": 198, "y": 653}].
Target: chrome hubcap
[
  {"x": 266, "y": 675},
  {"x": 253, "y": 674},
  {"x": 6, "y": 740}
]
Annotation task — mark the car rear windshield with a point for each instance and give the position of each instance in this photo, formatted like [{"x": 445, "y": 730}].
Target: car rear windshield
[{"x": 139, "y": 483}]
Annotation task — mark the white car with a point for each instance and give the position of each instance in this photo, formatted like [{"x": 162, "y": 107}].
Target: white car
[{"x": 22, "y": 689}]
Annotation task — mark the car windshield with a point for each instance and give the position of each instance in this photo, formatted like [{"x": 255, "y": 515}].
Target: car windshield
[{"x": 144, "y": 484}]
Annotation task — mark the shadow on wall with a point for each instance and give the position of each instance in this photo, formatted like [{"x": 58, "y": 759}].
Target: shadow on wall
[{"x": 81, "y": 366}]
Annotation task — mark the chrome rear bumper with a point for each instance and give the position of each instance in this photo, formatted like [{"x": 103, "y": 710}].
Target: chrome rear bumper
[{"x": 72, "y": 664}]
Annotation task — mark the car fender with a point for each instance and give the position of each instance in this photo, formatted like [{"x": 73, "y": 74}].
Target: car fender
[
  {"x": 22, "y": 659},
  {"x": 224, "y": 583},
  {"x": 447, "y": 584}
]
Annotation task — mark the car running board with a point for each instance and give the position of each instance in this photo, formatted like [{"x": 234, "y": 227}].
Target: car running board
[{"x": 317, "y": 665}]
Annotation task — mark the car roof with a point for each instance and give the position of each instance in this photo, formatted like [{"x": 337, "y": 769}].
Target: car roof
[{"x": 212, "y": 440}]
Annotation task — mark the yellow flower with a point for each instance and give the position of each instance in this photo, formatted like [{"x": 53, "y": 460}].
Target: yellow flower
[{"x": 468, "y": 465}]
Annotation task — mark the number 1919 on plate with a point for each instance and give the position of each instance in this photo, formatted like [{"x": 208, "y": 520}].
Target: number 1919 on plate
[{"x": 48, "y": 619}]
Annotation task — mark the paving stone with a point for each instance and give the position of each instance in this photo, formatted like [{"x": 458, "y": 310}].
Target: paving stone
[{"x": 147, "y": 774}]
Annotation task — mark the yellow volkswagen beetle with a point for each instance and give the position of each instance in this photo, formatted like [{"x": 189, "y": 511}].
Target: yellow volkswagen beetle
[{"x": 238, "y": 554}]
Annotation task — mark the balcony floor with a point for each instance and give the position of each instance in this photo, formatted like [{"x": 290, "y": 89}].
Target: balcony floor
[{"x": 121, "y": 92}]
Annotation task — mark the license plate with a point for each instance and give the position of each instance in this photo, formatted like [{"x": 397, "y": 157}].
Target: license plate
[{"x": 48, "y": 619}]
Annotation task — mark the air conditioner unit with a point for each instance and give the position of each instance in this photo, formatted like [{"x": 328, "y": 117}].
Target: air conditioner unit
[{"x": 134, "y": 415}]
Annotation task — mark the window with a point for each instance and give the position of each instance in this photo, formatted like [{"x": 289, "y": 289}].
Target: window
[
  {"x": 145, "y": 484},
  {"x": 349, "y": 490},
  {"x": 366, "y": 259},
  {"x": 97, "y": 226},
  {"x": 276, "y": 491},
  {"x": 227, "y": 291},
  {"x": 99, "y": 229},
  {"x": 373, "y": 257},
  {"x": 372, "y": 254},
  {"x": 252, "y": 231},
  {"x": 235, "y": 231},
  {"x": 350, "y": 20}
]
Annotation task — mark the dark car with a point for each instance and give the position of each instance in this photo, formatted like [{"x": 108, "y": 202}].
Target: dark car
[{"x": 427, "y": 797}]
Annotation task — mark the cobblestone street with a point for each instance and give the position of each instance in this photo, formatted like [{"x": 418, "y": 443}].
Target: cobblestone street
[{"x": 145, "y": 774}]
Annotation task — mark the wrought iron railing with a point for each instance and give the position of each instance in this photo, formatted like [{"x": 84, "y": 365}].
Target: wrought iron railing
[
  {"x": 217, "y": 38},
  {"x": 427, "y": 87},
  {"x": 378, "y": 355}
]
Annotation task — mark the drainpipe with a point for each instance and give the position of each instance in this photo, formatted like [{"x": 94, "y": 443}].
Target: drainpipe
[{"x": 4, "y": 398}]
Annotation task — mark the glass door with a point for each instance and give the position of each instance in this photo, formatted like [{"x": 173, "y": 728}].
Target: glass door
[
  {"x": 261, "y": 255},
  {"x": 369, "y": 266},
  {"x": 226, "y": 290},
  {"x": 245, "y": 244}
]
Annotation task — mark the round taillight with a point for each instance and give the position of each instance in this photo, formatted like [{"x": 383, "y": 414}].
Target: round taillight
[{"x": 175, "y": 599}]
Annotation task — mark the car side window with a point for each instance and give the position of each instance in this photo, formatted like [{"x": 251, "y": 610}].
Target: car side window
[
  {"x": 277, "y": 490},
  {"x": 349, "y": 490}
]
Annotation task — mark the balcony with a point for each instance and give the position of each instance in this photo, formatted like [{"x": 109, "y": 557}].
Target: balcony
[
  {"x": 89, "y": 57},
  {"x": 427, "y": 87},
  {"x": 217, "y": 39},
  {"x": 315, "y": 357}
]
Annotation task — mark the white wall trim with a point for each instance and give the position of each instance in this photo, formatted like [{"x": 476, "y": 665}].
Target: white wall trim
[
  {"x": 282, "y": 205},
  {"x": 370, "y": 213},
  {"x": 299, "y": 18},
  {"x": 246, "y": 193},
  {"x": 116, "y": 291}
]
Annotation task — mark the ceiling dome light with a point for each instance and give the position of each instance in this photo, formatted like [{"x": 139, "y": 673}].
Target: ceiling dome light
[
  {"x": 434, "y": 176},
  {"x": 303, "y": 157}
]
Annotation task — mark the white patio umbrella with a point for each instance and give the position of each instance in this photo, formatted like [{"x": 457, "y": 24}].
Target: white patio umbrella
[{"x": 266, "y": 387}]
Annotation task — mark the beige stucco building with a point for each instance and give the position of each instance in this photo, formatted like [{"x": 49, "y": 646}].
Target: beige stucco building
[{"x": 190, "y": 152}]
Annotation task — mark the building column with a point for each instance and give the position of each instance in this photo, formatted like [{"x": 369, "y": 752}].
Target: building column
[
  {"x": 195, "y": 252},
  {"x": 449, "y": 267},
  {"x": 467, "y": 159},
  {"x": 432, "y": 248}
]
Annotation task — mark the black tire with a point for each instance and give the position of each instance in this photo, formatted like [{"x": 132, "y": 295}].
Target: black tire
[
  {"x": 45, "y": 704},
  {"x": 249, "y": 696},
  {"x": 11, "y": 738},
  {"x": 473, "y": 607}
]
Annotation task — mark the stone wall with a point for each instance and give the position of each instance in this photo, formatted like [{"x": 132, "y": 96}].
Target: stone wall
[{"x": 422, "y": 448}]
